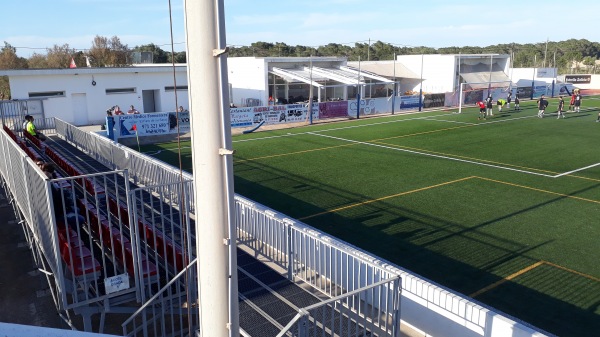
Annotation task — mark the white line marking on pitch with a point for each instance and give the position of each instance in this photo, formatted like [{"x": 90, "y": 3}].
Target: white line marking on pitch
[
  {"x": 341, "y": 128},
  {"x": 577, "y": 170},
  {"x": 447, "y": 121},
  {"x": 433, "y": 155}
]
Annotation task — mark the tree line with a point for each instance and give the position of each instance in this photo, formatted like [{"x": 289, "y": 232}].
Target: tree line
[{"x": 570, "y": 56}]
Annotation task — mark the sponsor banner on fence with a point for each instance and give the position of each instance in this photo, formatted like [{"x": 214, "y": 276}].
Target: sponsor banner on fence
[
  {"x": 297, "y": 112},
  {"x": 182, "y": 124},
  {"x": 334, "y": 109},
  {"x": 578, "y": 79},
  {"x": 371, "y": 106},
  {"x": 409, "y": 102},
  {"x": 241, "y": 117},
  {"x": 145, "y": 124}
]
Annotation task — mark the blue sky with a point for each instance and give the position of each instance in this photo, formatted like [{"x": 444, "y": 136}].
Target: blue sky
[{"x": 31, "y": 24}]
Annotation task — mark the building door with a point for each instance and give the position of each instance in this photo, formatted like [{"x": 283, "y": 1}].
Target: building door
[
  {"x": 80, "y": 110},
  {"x": 148, "y": 101}
]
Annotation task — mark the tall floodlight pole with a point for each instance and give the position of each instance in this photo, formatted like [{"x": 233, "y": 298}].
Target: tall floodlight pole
[
  {"x": 310, "y": 94},
  {"x": 490, "y": 80},
  {"x": 554, "y": 73},
  {"x": 395, "y": 88},
  {"x": 358, "y": 91},
  {"x": 213, "y": 167},
  {"x": 421, "y": 84},
  {"x": 458, "y": 86},
  {"x": 533, "y": 78}
]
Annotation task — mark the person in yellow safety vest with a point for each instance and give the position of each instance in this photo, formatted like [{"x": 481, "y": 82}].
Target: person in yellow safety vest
[
  {"x": 31, "y": 129},
  {"x": 500, "y": 102}
]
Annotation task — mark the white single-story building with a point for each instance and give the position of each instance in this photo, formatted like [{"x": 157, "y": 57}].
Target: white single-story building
[
  {"x": 444, "y": 73},
  {"x": 82, "y": 95}
]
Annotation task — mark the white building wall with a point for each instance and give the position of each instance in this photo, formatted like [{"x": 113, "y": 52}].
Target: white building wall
[
  {"x": 248, "y": 79},
  {"x": 438, "y": 71},
  {"x": 529, "y": 74},
  {"x": 96, "y": 98}
]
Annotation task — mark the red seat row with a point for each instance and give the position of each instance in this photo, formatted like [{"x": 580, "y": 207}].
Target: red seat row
[
  {"x": 155, "y": 238},
  {"x": 72, "y": 170},
  {"x": 75, "y": 254},
  {"x": 33, "y": 139},
  {"x": 113, "y": 239},
  {"x": 11, "y": 134}
]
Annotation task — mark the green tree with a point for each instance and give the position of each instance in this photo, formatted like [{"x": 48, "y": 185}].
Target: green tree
[
  {"x": 37, "y": 61},
  {"x": 111, "y": 52},
  {"x": 60, "y": 56},
  {"x": 158, "y": 55},
  {"x": 9, "y": 60}
]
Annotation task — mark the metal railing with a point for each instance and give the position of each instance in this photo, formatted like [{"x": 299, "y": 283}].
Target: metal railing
[
  {"x": 142, "y": 169},
  {"x": 350, "y": 315}
]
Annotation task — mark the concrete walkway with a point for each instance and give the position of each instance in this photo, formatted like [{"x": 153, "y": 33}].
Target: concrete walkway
[{"x": 24, "y": 293}]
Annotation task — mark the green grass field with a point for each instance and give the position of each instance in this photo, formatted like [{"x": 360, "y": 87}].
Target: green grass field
[{"x": 504, "y": 210}]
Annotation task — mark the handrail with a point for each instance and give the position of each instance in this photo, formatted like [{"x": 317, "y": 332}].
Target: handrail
[{"x": 127, "y": 321}]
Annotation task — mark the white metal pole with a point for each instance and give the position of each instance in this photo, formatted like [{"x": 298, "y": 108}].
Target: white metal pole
[
  {"x": 310, "y": 93},
  {"x": 213, "y": 167},
  {"x": 460, "y": 97}
]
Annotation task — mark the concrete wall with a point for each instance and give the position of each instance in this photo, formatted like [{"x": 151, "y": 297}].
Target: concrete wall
[
  {"x": 84, "y": 103},
  {"x": 248, "y": 79},
  {"x": 438, "y": 71}
]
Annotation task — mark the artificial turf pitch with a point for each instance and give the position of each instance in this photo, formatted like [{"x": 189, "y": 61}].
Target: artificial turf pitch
[{"x": 504, "y": 210}]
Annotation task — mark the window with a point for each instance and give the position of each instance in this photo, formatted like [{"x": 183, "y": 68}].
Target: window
[
  {"x": 46, "y": 94},
  {"x": 120, "y": 91},
  {"x": 179, "y": 87}
]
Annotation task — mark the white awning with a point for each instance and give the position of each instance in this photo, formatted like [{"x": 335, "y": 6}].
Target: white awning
[
  {"x": 297, "y": 75},
  {"x": 388, "y": 69},
  {"x": 481, "y": 80},
  {"x": 345, "y": 75}
]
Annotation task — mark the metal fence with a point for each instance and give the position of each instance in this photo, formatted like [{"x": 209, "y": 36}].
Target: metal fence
[
  {"x": 143, "y": 169},
  {"x": 78, "y": 240},
  {"x": 343, "y": 273},
  {"x": 13, "y": 112}
]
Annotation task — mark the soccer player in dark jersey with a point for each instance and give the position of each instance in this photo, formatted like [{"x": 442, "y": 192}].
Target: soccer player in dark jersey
[
  {"x": 517, "y": 105},
  {"x": 561, "y": 107},
  {"x": 489, "y": 105},
  {"x": 577, "y": 100},
  {"x": 542, "y": 104}
]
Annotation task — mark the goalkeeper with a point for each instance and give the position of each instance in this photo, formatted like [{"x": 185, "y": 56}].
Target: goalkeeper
[
  {"x": 501, "y": 102},
  {"x": 481, "y": 106}
]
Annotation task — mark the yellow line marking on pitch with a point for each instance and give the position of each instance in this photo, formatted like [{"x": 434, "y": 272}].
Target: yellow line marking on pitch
[
  {"x": 291, "y": 153},
  {"x": 423, "y": 133},
  {"x": 540, "y": 190},
  {"x": 383, "y": 198},
  {"x": 527, "y": 269},
  {"x": 573, "y": 271},
  {"x": 506, "y": 279}
]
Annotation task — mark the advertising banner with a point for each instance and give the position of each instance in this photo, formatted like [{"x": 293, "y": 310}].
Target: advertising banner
[
  {"x": 145, "y": 124},
  {"x": 183, "y": 124},
  {"x": 371, "y": 106},
  {"x": 409, "y": 102},
  {"x": 578, "y": 79},
  {"x": 333, "y": 109},
  {"x": 241, "y": 117}
]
